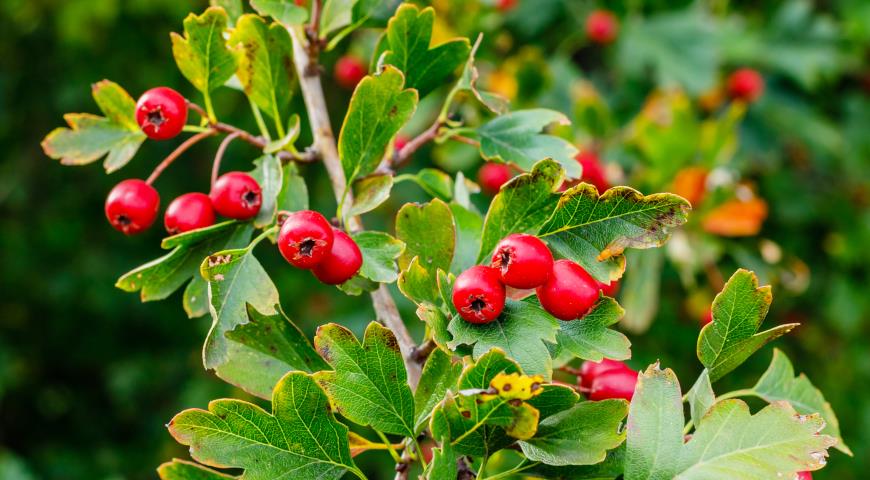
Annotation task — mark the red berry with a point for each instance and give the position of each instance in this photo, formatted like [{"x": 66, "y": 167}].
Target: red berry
[
  {"x": 590, "y": 370},
  {"x": 569, "y": 292},
  {"x": 478, "y": 294},
  {"x": 492, "y": 176},
  {"x": 305, "y": 239},
  {"x": 602, "y": 26},
  {"x": 131, "y": 206},
  {"x": 609, "y": 289},
  {"x": 161, "y": 113},
  {"x": 188, "y": 212},
  {"x": 349, "y": 71},
  {"x": 523, "y": 260},
  {"x": 707, "y": 317},
  {"x": 804, "y": 476},
  {"x": 342, "y": 262},
  {"x": 593, "y": 170},
  {"x": 236, "y": 195},
  {"x": 617, "y": 383},
  {"x": 505, "y": 5},
  {"x": 400, "y": 142},
  {"x": 745, "y": 84}
]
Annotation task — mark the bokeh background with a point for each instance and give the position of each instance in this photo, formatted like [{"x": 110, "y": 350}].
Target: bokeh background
[{"x": 89, "y": 375}]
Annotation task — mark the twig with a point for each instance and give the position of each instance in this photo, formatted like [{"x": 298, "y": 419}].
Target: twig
[
  {"x": 422, "y": 352},
  {"x": 312, "y": 31},
  {"x": 401, "y": 157},
  {"x": 177, "y": 153},
  {"x": 466, "y": 140},
  {"x": 216, "y": 165},
  {"x": 324, "y": 142}
]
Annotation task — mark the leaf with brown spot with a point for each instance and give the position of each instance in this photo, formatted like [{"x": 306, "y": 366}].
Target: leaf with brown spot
[{"x": 201, "y": 54}]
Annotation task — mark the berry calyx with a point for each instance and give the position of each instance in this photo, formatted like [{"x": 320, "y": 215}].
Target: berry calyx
[
  {"x": 349, "y": 71},
  {"x": 131, "y": 206},
  {"x": 593, "y": 170},
  {"x": 236, "y": 195},
  {"x": 591, "y": 370},
  {"x": 188, "y": 212},
  {"x": 305, "y": 238},
  {"x": 492, "y": 176},
  {"x": 617, "y": 383},
  {"x": 602, "y": 27},
  {"x": 745, "y": 84},
  {"x": 161, "y": 113},
  {"x": 478, "y": 294},
  {"x": 523, "y": 261},
  {"x": 569, "y": 292},
  {"x": 342, "y": 262}
]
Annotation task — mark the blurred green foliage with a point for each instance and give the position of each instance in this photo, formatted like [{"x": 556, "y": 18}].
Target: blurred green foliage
[{"x": 89, "y": 375}]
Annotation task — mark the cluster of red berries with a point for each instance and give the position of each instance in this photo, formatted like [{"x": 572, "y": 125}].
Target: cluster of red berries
[
  {"x": 132, "y": 205},
  {"x": 309, "y": 242},
  {"x": 607, "y": 379},
  {"x": 523, "y": 261}
]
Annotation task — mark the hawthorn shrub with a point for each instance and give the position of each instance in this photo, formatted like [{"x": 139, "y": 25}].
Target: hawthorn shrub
[{"x": 508, "y": 295}]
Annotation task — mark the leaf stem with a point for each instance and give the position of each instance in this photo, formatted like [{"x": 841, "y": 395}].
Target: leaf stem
[
  {"x": 216, "y": 165},
  {"x": 177, "y": 153},
  {"x": 389, "y": 444},
  {"x": 519, "y": 468},
  {"x": 258, "y": 117},
  {"x": 358, "y": 473},
  {"x": 195, "y": 129},
  {"x": 745, "y": 392},
  {"x": 265, "y": 233},
  {"x": 209, "y": 108},
  {"x": 419, "y": 452}
]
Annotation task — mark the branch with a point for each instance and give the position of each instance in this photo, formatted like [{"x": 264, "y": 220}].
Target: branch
[
  {"x": 177, "y": 153},
  {"x": 324, "y": 142},
  {"x": 401, "y": 157}
]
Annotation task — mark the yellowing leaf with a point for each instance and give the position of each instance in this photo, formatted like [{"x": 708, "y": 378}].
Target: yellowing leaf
[{"x": 514, "y": 386}]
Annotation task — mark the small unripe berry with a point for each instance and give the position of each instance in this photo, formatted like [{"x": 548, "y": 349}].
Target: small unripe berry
[
  {"x": 161, "y": 113},
  {"x": 617, "y": 383},
  {"x": 523, "y": 261},
  {"x": 593, "y": 170},
  {"x": 478, "y": 294},
  {"x": 745, "y": 84},
  {"x": 349, "y": 71},
  {"x": 602, "y": 26},
  {"x": 305, "y": 239},
  {"x": 342, "y": 262},
  {"x": 590, "y": 370},
  {"x": 492, "y": 176},
  {"x": 569, "y": 292},
  {"x": 188, "y": 212},
  {"x": 131, "y": 206},
  {"x": 236, "y": 195}
]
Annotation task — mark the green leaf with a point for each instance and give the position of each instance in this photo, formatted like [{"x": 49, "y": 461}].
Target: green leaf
[
  {"x": 700, "y": 398},
  {"x": 89, "y": 137},
  {"x": 738, "y": 311},
  {"x": 300, "y": 438},
  {"x": 201, "y": 54},
  {"x": 468, "y": 82},
  {"x": 469, "y": 225},
  {"x": 380, "y": 106},
  {"x": 595, "y": 230},
  {"x": 336, "y": 14},
  {"x": 435, "y": 321},
  {"x": 285, "y": 12},
  {"x": 655, "y": 426},
  {"x": 294, "y": 193},
  {"x": 443, "y": 464},
  {"x": 515, "y": 138},
  {"x": 182, "y": 470},
  {"x": 161, "y": 277},
  {"x": 370, "y": 193},
  {"x": 554, "y": 399},
  {"x": 640, "y": 291},
  {"x": 234, "y": 9},
  {"x": 779, "y": 383},
  {"x": 235, "y": 279},
  {"x": 268, "y": 173},
  {"x": 406, "y": 45},
  {"x": 578, "y": 436},
  {"x": 522, "y": 205},
  {"x": 590, "y": 339},
  {"x": 379, "y": 252},
  {"x": 279, "y": 338},
  {"x": 428, "y": 233},
  {"x": 439, "y": 375},
  {"x": 264, "y": 54},
  {"x": 434, "y": 182},
  {"x": 520, "y": 331},
  {"x": 480, "y": 374},
  {"x": 610, "y": 469},
  {"x": 417, "y": 284},
  {"x": 368, "y": 384},
  {"x": 774, "y": 443}
]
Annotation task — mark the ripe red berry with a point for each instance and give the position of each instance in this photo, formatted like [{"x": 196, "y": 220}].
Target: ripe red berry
[
  {"x": 305, "y": 239},
  {"x": 131, "y": 206},
  {"x": 745, "y": 84},
  {"x": 492, "y": 176},
  {"x": 236, "y": 195},
  {"x": 590, "y": 370},
  {"x": 804, "y": 476},
  {"x": 349, "y": 71},
  {"x": 342, "y": 262},
  {"x": 478, "y": 294},
  {"x": 569, "y": 292},
  {"x": 602, "y": 26},
  {"x": 506, "y": 5},
  {"x": 609, "y": 289},
  {"x": 523, "y": 260},
  {"x": 593, "y": 170},
  {"x": 617, "y": 383},
  {"x": 188, "y": 212},
  {"x": 161, "y": 113}
]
